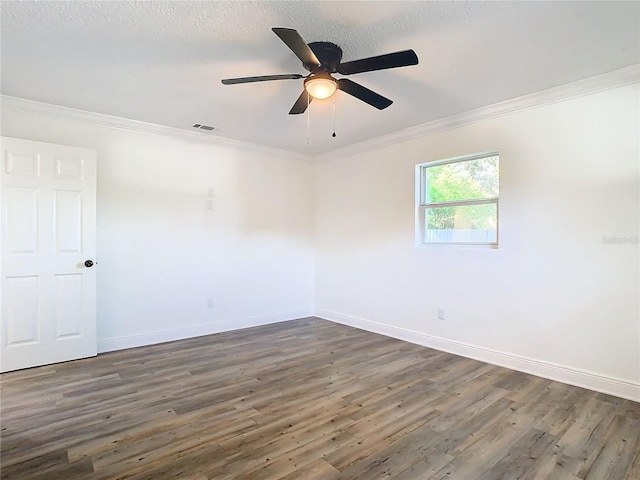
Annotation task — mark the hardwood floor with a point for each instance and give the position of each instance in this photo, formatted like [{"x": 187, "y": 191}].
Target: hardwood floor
[{"x": 307, "y": 399}]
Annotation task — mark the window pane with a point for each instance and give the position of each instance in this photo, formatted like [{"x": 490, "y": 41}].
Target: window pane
[
  {"x": 462, "y": 224},
  {"x": 467, "y": 180}
]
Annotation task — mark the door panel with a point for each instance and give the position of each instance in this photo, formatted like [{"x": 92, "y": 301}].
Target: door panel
[
  {"x": 22, "y": 310},
  {"x": 68, "y": 221},
  {"x": 69, "y": 168},
  {"x": 48, "y": 300},
  {"x": 68, "y": 308},
  {"x": 22, "y": 220},
  {"x": 22, "y": 164}
]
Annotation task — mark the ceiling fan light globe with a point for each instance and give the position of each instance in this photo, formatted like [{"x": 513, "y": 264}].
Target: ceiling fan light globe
[{"x": 321, "y": 88}]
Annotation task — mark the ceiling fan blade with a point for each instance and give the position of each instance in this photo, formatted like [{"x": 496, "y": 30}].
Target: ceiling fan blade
[
  {"x": 381, "y": 62},
  {"x": 301, "y": 104},
  {"x": 263, "y": 78},
  {"x": 363, "y": 93},
  {"x": 296, "y": 43}
]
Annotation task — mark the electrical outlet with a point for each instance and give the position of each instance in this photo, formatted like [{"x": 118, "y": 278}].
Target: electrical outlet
[
  {"x": 210, "y": 302},
  {"x": 440, "y": 313}
]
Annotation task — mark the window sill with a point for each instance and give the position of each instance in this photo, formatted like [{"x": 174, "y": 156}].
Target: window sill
[{"x": 482, "y": 246}]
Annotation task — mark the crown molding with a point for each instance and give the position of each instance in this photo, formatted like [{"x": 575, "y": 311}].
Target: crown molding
[
  {"x": 23, "y": 105},
  {"x": 606, "y": 81}
]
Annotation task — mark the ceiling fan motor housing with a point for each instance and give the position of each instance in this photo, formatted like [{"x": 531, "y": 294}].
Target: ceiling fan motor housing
[{"x": 329, "y": 54}]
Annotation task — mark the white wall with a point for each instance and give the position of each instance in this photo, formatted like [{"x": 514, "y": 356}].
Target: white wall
[
  {"x": 553, "y": 299},
  {"x": 162, "y": 254}
]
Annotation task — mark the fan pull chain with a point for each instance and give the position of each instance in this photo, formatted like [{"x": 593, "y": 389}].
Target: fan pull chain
[
  {"x": 308, "y": 115},
  {"x": 334, "y": 117}
]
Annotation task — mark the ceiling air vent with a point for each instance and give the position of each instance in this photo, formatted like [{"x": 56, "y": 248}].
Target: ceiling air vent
[{"x": 203, "y": 127}]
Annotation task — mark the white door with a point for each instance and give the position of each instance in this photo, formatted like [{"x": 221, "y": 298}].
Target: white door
[{"x": 48, "y": 302}]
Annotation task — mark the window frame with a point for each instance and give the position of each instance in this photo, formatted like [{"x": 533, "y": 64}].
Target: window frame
[{"x": 422, "y": 205}]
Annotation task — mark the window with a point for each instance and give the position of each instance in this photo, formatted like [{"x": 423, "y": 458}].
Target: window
[{"x": 457, "y": 201}]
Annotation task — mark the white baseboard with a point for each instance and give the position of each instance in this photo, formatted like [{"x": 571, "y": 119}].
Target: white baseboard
[
  {"x": 152, "y": 338},
  {"x": 580, "y": 378}
]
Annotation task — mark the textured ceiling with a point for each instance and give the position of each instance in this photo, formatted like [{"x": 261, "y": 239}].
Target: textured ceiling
[{"x": 162, "y": 62}]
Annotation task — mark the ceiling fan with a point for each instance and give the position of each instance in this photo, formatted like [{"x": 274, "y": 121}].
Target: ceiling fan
[{"x": 322, "y": 59}]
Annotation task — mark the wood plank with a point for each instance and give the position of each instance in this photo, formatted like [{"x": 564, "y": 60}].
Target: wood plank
[
  {"x": 317, "y": 470},
  {"x": 619, "y": 453},
  {"x": 391, "y": 460},
  {"x": 522, "y": 456}
]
